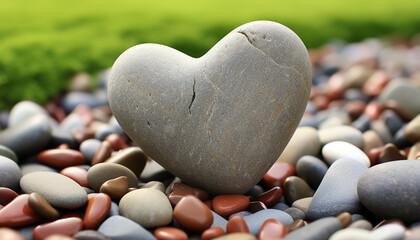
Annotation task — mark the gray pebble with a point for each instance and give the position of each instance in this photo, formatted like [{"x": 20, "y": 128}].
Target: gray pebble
[
  {"x": 10, "y": 173},
  {"x": 89, "y": 148},
  {"x": 311, "y": 169},
  {"x": 342, "y": 133},
  {"x": 321, "y": 229},
  {"x": 122, "y": 228},
  {"x": 24, "y": 110},
  {"x": 218, "y": 221},
  {"x": 295, "y": 213},
  {"x": 35, "y": 167},
  {"x": 7, "y": 152},
  {"x": 256, "y": 220}
]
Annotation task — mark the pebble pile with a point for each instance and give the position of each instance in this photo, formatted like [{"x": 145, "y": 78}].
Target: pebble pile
[{"x": 350, "y": 171}]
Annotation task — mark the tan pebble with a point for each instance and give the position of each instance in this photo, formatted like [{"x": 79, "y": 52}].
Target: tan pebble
[
  {"x": 237, "y": 236},
  {"x": 302, "y": 204},
  {"x": 10, "y": 234},
  {"x": 59, "y": 237},
  {"x": 115, "y": 188},
  {"x": 133, "y": 158},
  {"x": 414, "y": 151},
  {"x": 155, "y": 185},
  {"x": 345, "y": 219},
  {"x": 295, "y": 225},
  {"x": 296, "y": 188},
  {"x": 372, "y": 140},
  {"x": 364, "y": 224}
]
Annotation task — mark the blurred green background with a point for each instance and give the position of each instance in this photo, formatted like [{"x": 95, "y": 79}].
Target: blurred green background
[{"x": 44, "y": 42}]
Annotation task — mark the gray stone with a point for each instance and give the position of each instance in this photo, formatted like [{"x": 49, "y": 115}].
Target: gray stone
[
  {"x": 90, "y": 235},
  {"x": 57, "y": 189},
  {"x": 305, "y": 141},
  {"x": 153, "y": 171},
  {"x": 115, "y": 210},
  {"x": 148, "y": 207},
  {"x": 89, "y": 148},
  {"x": 280, "y": 206},
  {"x": 218, "y": 221},
  {"x": 256, "y": 220},
  {"x": 311, "y": 169},
  {"x": 27, "y": 137},
  {"x": 122, "y": 228},
  {"x": 7, "y": 152},
  {"x": 390, "y": 190},
  {"x": 295, "y": 213},
  {"x": 255, "y": 191},
  {"x": 222, "y": 118},
  {"x": 392, "y": 121},
  {"x": 24, "y": 110},
  {"x": 337, "y": 192},
  {"x": 35, "y": 167},
  {"x": 72, "y": 99},
  {"x": 102, "y": 172},
  {"x": 10, "y": 173},
  {"x": 383, "y": 131},
  {"x": 342, "y": 133},
  {"x": 296, "y": 188},
  {"x": 404, "y": 93},
  {"x": 321, "y": 229}
]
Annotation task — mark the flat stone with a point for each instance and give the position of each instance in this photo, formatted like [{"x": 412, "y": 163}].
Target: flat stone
[
  {"x": 305, "y": 141},
  {"x": 132, "y": 157},
  {"x": 7, "y": 152},
  {"x": 59, "y": 190},
  {"x": 193, "y": 215},
  {"x": 148, "y": 207},
  {"x": 271, "y": 197},
  {"x": 256, "y": 220},
  {"x": 311, "y": 169},
  {"x": 122, "y": 228},
  {"x": 61, "y": 158},
  {"x": 389, "y": 190},
  {"x": 170, "y": 233},
  {"x": 169, "y": 125},
  {"x": 27, "y": 168},
  {"x": 402, "y": 92},
  {"x": 115, "y": 188},
  {"x": 321, "y": 229},
  {"x": 339, "y": 149},
  {"x": 337, "y": 192},
  {"x": 27, "y": 137},
  {"x": 10, "y": 173},
  {"x": 341, "y": 133},
  {"x": 226, "y": 205},
  {"x": 212, "y": 233},
  {"x": 102, "y": 172}
]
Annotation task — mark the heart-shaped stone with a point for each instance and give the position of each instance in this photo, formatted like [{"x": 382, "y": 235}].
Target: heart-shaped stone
[{"x": 220, "y": 121}]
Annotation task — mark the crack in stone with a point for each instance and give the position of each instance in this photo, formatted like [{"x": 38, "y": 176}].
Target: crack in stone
[
  {"x": 192, "y": 98},
  {"x": 250, "y": 41}
]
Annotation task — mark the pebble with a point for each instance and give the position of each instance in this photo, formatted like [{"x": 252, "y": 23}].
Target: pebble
[
  {"x": 311, "y": 169},
  {"x": 24, "y": 110},
  {"x": 170, "y": 233},
  {"x": 272, "y": 229},
  {"x": 256, "y": 206},
  {"x": 305, "y": 141},
  {"x": 390, "y": 153},
  {"x": 363, "y": 224},
  {"x": 148, "y": 207},
  {"x": 115, "y": 188},
  {"x": 97, "y": 211},
  {"x": 77, "y": 174},
  {"x": 237, "y": 236},
  {"x": 27, "y": 168},
  {"x": 65, "y": 226},
  {"x": 155, "y": 185},
  {"x": 199, "y": 193},
  {"x": 389, "y": 190},
  {"x": 103, "y": 153},
  {"x": 372, "y": 140},
  {"x": 256, "y": 220},
  {"x": 402, "y": 92},
  {"x": 318, "y": 230},
  {"x": 10, "y": 173},
  {"x": 18, "y": 213},
  {"x": 153, "y": 171},
  {"x": 296, "y": 188},
  {"x": 6, "y": 195},
  {"x": 42, "y": 207},
  {"x": 277, "y": 174},
  {"x": 193, "y": 215},
  {"x": 345, "y": 219},
  {"x": 7, "y": 152},
  {"x": 339, "y": 149},
  {"x": 411, "y": 130},
  {"x": 80, "y": 82},
  {"x": 88, "y": 148},
  {"x": 341, "y": 133},
  {"x": 236, "y": 224},
  {"x": 295, "y": 213},
  {"x": 389, "y": 231},
  {"x": 132, "y": 157},
  {"x": 271, "y": 197},
  {"x": 352, "y": 233},
  {"x": 226, "y": 205},
  {"x": 212, "y": 233},
  {"x": 183, "y": 128},
  {"x": 90, "y": 235},
  {"x": 122, "y": 228},
  {"x": 58, "y": 190},
  {"x": 302, "y": 204},
  {"x": 337, "y": 192},
  {"x": 10, "y": 234},
  {"x": 102, "y": 172},
  {"x": 61, "y": 158}
]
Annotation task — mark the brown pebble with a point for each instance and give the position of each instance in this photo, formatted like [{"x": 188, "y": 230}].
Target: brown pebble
[
  {"x": 61, "y": 158},
  {"x": 270, "y": 197},
  {"x": 225, "y": 205},
  {"x": 345, "y": 219},
  {"x": 295, "y": 225},
  {"x": 302, "y": 204},
  {"x": 390, "y": 153},
  {"x": 192, "y": 214},
  {"x": 256, "y": 206},
  {"x": 296, "y": 188},
  {"x": 375, "y": 83},
  {"x": 212, "y": 233},
  {"x": 355, "y": 109},
  {"x": 335, "y": 87},
  {"x": 115, "y": 188},
  {"x": 116, "y": 141},
  {"x": 6, "y": 195},
  {"x": 201, "y": 194},
  {"x": 170, "y": 233},
  {"x": 63, "y": 146},
  {"x": 42, "y": 207},
  {"x": 176, "y": 196},
  {"x": 103, "y": 153},
  {"x": 133, "y": 158},
  {"x": 236, "y": 224},
  {"x": 10, "y": 234}
]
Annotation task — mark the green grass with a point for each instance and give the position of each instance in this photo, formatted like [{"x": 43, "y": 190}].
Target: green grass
[{"x": 44, "y": 42}]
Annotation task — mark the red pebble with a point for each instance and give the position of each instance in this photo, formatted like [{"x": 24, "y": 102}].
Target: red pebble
[
  {"x": 18, "y": 213},
  {"x": 10, "y": 234},
  {"x": 277, "y": 174},
  {"x": 375, "y": 83},
  {"x": 170, "y": 233},
  {"x": 116, "y": 141},
  {"x": 6, "y": 195},
  {"x": 336, "y": 87},
  {"x": 103, "y": 153},
  {"x": 97, "y": 210},
  {"x": 176, "y": 196},
  {"x": 272, "y": 229},
  {"x": 236, "y": 224},
  {"x": 373, "y": 110},
  {"x": 225, "y": 205},
  {"x": 78, "y": 174},
  {"x": 65, "y": 226},
  {"x": 192, "y": 214},
  {"x": 270, "y": 197},
  {"x": 201, "y": 194},
  {"x": 212, "y": 233},
  {"x": 61, "y": 158}
]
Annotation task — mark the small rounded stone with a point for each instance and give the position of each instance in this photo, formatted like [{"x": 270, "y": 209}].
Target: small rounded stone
[
  {"x": 115, "y": 188},
  {"x": 148, "y": 207},
  {"x": 103, "y": 153},
  {"x": 237, "y": 224},
  {"x": 237, "y": 236},
  {"x": 102, "y": 172},
  {"x": 176, "y": 196},
  {"x": 10, "y": 234},
  {"x": 192, "y": 214},
  {"x": 277, "y": 174},
  {"x": 78, "y": 174},
  {"x": 212, "y": 233},
  {"x": 341, "y": 133},
  {"x": 58, "y": 190},
  {"x": 97, "y": 210},
  {"x": 270, "y": 197},
  {"x": 311, "y": 169},
  {"x": 42, "y": 207},
  {"x": 66, "y": 226},
  {"x": 272, "y": 229},
  {"x": 255, "y": 206},
  {"x": 345, "y": 219},
  {"x": 89, "y": 147},
  {"x": 339, "y": 149},
  {"x": 226, "y": 205},
  {"x": 170, "y": 233},
  {"x": 90, "y": 235},
  {"x": 296, "y": 188},
  {"x": 10, "y": 173},
  {"x": 302, "y": 204},
  {"x": 6, "y": 195},
  {"x": 199, "y": 193},
  {"x": 18, "y": 213},
  {"x": 133, "y": 158},
  {"x": 61, "y": 158}
]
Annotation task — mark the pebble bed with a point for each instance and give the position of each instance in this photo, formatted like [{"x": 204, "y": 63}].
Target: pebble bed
[{"x": 68, "y": 171}]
